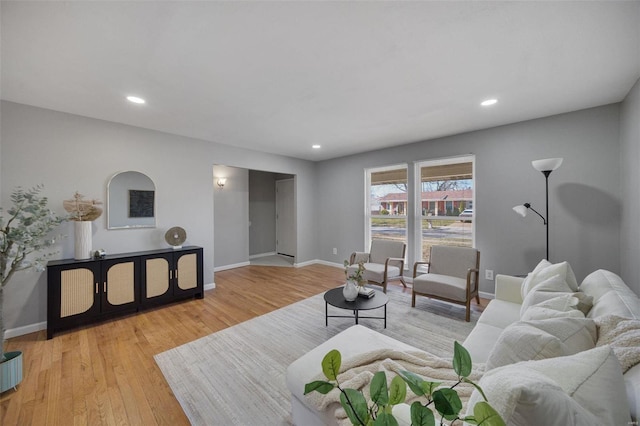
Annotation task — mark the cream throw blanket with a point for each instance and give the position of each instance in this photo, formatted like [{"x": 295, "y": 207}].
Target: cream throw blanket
[{"x": 358, "y": 371}]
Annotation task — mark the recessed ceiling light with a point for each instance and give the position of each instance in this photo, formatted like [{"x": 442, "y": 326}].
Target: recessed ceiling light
[
  {"x": 316, "y": 146},
  {"x": 489, "y": 102},
  {"x": 136, "y": 100}
]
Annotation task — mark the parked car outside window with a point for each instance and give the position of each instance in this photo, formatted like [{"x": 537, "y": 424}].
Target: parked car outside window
[{"x": 466, "y": 213}]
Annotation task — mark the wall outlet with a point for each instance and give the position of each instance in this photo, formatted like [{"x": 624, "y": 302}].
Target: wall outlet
[
  {"x": 335, "y": 250},
  {"x": 488, "y": 274}
]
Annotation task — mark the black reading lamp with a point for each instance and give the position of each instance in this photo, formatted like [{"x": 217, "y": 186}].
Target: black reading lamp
[{"x": 546, "y": 166}]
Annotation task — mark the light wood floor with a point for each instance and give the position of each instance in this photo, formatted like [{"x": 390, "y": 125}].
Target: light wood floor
[{"x": 105, "y": 373}]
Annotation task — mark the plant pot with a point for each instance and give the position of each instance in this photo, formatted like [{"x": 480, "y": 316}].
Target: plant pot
[{"x": 11, "y": 371}]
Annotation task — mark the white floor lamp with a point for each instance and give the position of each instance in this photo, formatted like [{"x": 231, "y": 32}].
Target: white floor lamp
[{"x": 546, "y": 166}]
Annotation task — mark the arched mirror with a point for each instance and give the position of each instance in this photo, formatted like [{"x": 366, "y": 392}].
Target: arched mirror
[{"x": 131, "y": 201}]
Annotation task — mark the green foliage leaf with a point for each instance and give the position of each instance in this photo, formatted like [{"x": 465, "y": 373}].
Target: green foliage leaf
[
  {"x": 319, "y": 386},
  {"x": 378, "y": 388},
  {"x": 461, "y": 360},
  {"x": 355, "y": 405},
  {"x": 417, "y": 384},
  {"x": 331, "y": 364},
  {"x": 385, "y": 419},
  {"x": 421, "y": 415},
  {"x": 477, "y": 386},
  {"x": 485, "y": 415},
  {"x": 398, "y": 391},
  {"x": 447, "y": 402},
  {"x": 470, "y": 420}
]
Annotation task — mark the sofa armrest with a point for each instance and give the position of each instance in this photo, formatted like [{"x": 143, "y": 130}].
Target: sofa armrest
[{"x": 508, "y": 288}]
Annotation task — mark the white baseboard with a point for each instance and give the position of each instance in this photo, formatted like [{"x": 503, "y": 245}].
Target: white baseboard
[
  {"x": 19, "y": 331},
  {"x": 232, "y": 266},
  {"x": 327, "y": 263},
  {"x": 255, "y": 256},
  {"x": 486, "y": 295},
  {"x": 209, "y": 286}
]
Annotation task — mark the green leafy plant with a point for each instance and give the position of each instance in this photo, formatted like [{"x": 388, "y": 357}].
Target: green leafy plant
[
  {"x": 24, "y": 230},
  {"x": 444, "y": 400},
  {"x": 355, "y": 275}
]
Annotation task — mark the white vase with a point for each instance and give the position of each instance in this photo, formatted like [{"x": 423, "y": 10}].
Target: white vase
[
  {"x": 82, "y": 239},
  {"x": 350, "y": 291}
]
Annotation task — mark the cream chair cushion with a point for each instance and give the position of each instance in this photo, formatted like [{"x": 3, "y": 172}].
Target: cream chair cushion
[
  {"x": 446, "y": 286},
  {"x": 375, "y": 271}
]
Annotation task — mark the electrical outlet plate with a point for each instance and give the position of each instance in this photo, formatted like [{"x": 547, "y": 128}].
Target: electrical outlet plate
[
  {"x": 335, "y": 250},
  {"x": 488, "y": 274}
]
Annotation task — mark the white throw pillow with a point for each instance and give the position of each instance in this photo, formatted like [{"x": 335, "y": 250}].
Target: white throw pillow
[
  {"x": 527, "y": 283},
  {"x": 540, "y": 312},
  {"x": 546, "y": 270},
  {"x": 549, "y": 299},
  {"x": 541, "y": 339},
  {"x": 585, "y": 389}
]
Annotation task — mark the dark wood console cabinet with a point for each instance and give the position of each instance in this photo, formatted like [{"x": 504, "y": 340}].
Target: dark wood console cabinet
[{"x": 84, "y": 291}]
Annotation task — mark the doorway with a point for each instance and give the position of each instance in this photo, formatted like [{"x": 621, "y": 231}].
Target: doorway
[{"x": 285, "y": 218}]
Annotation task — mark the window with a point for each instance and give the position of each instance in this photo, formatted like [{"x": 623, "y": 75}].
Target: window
[
  {"x": 431, "y": 205},
  {"x": 387, "y": 203},
  {"x": 446, "y": 203}
]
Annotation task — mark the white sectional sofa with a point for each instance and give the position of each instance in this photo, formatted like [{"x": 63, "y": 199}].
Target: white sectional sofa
[{"x": 610, "y": 297}]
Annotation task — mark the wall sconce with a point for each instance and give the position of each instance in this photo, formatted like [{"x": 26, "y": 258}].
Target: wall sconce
[
  {"x": 546, "y": 166},
  {"x": 221, "y": 182}
]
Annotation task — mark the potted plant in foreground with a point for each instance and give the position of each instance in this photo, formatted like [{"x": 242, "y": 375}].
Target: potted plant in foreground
[{"x": 24, "y": 230}]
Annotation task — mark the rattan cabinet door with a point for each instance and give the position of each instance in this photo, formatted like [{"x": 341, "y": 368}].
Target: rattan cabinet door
[{"x": 119, "y": 284}]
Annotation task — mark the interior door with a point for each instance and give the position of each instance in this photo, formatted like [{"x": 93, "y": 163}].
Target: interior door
[{"x": 285, "y": 217}]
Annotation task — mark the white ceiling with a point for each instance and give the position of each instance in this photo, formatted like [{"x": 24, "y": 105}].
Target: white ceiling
[{"x": 351, "y": 76}]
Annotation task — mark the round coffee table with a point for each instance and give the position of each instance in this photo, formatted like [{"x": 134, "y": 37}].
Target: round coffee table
[{"x": 334, "y": 297}]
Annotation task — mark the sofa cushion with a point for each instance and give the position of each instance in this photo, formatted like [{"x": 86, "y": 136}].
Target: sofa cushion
[
  {"x": 480, "y": 341},
  {"x": 545, "y": 270},
  {"x": 541, "y": 339},
  {"x": 582, "y": 389},
  {"x": 500, "y": 313},
  {"x": 611, "y": 296}
]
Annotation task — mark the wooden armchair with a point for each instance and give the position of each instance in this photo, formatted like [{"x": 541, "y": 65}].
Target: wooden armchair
[
  {"x": 383, "y": 263},
  {"x": 452, "y": 277}
]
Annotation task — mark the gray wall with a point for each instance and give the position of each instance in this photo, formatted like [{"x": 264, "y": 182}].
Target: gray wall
[
  {"x": 231, "y": 216},
  {"x": 630, "y": 187},
  {"x": 262, "y": 212},
  {"x": 71, "y": 153},
  {"x": 584, "y": 193}
]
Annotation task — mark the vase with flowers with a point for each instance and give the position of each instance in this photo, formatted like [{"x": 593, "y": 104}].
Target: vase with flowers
[
  {"x": 83, "y": 212},
  {"x": 355, "y": 281}
]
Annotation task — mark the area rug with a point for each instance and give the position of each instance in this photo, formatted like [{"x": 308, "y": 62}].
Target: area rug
[{"x": 237, "y": 376}]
